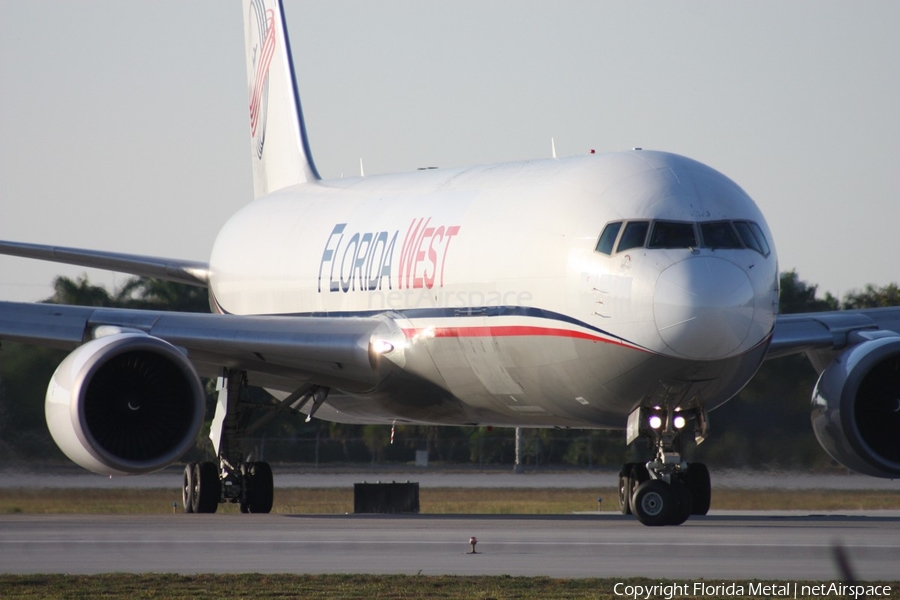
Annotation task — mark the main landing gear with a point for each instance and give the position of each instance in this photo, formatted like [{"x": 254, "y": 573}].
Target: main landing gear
[
  {"x": 232, "y": 478},
  {"x": 666, "y": 490},
  {"x": 204, "y": 487}
]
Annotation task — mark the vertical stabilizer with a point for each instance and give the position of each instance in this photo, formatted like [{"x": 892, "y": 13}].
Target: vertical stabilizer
[{"x": 279, "y": 146}]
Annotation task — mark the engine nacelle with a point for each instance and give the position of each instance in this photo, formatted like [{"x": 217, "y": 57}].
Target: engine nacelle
[
  {"x": 125, "y": 404},
  {"x": 856, "y": 408}
]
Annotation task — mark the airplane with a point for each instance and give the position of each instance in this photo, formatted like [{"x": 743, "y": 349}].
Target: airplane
[{"x": 633, "y": 290}]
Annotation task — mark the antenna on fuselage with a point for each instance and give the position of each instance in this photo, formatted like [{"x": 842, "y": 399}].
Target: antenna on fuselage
[
  {"x": 553, "y": 147},
  {"x": 362, "y": 172}
]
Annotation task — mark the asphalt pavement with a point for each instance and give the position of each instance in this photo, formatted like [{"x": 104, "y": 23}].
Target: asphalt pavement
[{"x": 718, "y": 546}]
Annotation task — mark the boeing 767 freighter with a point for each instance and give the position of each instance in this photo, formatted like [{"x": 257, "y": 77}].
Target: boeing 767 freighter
[{"x": 634, "y": 290}]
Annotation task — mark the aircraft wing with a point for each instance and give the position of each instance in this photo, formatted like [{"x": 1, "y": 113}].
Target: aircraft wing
[
  {"x": 833, "y": 330},
  {"x": 181, "y": 271},
  {"x": 280, "y": 352}
]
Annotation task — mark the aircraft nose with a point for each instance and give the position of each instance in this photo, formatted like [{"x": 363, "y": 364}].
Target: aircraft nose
[{"x": 704, "y": 307}]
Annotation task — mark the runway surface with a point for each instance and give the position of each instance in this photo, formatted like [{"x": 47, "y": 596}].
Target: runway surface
[
  {"x": 288, "y": 477},
  {"x": 724, "y": 546}
]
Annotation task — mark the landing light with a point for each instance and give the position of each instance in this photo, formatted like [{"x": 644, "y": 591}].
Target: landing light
[
  {"x": 679, "y": 422},
  {"x": 382, "y": 346},
  {"x": 655, "y": 421}
]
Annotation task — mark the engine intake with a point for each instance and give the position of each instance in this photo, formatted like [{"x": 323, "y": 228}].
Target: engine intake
[
  {"x": 856, "y": 408},
  {"x": 127, "y": 403}
]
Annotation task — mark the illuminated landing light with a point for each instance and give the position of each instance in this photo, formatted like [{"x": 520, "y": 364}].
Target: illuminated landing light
[
  {"x": 679, "y": 422},
  {"x": 655, "y": 422},
  {"x": 382, "y": 347}
]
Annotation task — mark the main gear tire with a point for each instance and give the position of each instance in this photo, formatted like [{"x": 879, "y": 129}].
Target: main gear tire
[
  {"x": 187, "y": 488},
  {"x": 207, "y": 488},
  {"x": 260, "y": 488}
]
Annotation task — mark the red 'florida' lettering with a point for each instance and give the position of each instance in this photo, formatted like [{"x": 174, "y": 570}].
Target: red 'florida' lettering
[{"x": 424, "y": 254}]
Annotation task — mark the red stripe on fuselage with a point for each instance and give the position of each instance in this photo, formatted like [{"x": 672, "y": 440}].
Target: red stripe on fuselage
[{"x": 511, "y": 331}]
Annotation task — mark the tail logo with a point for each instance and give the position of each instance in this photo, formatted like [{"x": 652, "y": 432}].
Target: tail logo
[{"x": 262, "y": 45}]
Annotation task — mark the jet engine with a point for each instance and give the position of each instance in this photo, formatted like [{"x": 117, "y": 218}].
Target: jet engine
[
  {"x": 126, "y": 403},
  {"x": 856, "y": 408}
]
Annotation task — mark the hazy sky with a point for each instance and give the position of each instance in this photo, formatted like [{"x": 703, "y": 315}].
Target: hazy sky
[{"x": 123, "y": 125}]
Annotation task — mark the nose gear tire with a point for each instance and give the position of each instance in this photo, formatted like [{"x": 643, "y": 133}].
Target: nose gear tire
[
  {"x": 697, "y": 480},
  {"x": 654, "y": 503}
]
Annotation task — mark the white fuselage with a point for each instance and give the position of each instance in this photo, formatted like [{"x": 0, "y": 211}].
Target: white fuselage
[{"x": 511, "y": 315}]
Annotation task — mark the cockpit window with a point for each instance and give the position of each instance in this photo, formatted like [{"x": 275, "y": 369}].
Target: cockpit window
[
  {"x": 670, "y": 234},
  {"x": 719, "y": 235},
  {"x": 634, "y": 235},
  {"x": 714, "y": 235},
  {"x": 752, "y": 236},
  {"x": 608, "y": 237},
  {"x": 760, "y": 237}
]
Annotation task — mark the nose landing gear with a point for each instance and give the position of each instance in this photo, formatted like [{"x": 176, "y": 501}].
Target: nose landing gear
[{"x": 665, "y": 490}]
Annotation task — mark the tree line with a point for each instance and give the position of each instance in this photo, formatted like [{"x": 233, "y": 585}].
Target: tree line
[{"x": 767, "y": 425}]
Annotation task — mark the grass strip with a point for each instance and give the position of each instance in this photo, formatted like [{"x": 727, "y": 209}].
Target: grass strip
[
  {"x": 518, "y": 501},
  {"x": 362, "y": 586}
]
